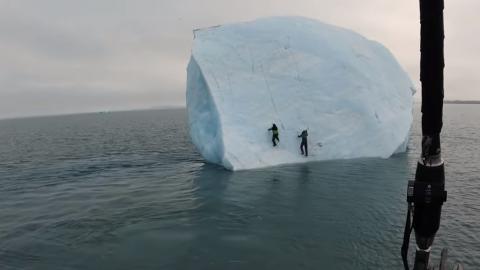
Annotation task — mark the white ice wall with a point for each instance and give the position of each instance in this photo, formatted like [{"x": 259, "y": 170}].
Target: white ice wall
[{"x": 350, "y": 92}]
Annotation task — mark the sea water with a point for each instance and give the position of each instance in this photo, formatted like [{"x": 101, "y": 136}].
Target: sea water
[{"x": 127, "y": 190}]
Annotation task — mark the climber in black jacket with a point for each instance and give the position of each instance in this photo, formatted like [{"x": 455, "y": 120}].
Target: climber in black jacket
[{"x": 303, "y": 145}]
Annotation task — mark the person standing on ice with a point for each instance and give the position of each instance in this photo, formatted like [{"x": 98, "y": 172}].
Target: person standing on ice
[
  {"x": 303, "y": 145},
  {"x": 275, "y": 138}
]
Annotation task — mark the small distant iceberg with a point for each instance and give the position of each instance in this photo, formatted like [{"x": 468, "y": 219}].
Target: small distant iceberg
[{"x": 349, "y": 92}]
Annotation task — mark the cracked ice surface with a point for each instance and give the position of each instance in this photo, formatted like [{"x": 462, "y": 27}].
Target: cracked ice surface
[{"x": 348, "y": 91}]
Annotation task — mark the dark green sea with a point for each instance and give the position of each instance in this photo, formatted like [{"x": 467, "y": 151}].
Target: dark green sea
[{"x": 127, "y": 190}]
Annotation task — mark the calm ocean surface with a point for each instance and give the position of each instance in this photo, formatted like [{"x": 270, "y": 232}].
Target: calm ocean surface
[{"x": 127, "y": 190}]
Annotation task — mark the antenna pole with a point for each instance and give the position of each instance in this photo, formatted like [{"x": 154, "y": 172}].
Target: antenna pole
[{"x": 427, "y": 194}]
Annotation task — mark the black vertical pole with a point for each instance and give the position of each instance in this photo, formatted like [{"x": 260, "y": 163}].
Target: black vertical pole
[
  {"x": 431, "y": 70},
  {"x": 430, "y": 174}
]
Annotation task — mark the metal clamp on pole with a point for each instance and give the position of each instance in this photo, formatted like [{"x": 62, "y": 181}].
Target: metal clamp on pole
[
  {"x": 425, "y": 197},
  {"x": 428, "y": 198}
]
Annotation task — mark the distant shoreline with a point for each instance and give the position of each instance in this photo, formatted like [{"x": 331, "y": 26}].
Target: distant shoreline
[
  {"x": 93, "y": 112},
  {"x": 461, "y": 101}
]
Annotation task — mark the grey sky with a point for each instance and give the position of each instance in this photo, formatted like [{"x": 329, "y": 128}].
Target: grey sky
[{"x": 65, "y": 56}]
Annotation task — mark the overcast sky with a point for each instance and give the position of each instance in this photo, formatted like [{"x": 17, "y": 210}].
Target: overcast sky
[{"x": 66, "y": 56}]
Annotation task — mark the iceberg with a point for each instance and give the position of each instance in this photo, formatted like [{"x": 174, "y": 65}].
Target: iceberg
[{"x": 349, "y": 92}]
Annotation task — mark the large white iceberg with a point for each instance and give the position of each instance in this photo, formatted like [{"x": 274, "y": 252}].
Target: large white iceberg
[{"x": 348, "y": 91}]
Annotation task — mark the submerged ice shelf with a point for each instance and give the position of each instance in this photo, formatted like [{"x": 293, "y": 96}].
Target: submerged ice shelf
[{"x": 349, "y": 92}]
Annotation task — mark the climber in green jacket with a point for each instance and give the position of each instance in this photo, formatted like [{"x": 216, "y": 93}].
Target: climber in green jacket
[{"x": 275, "y": 138}]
